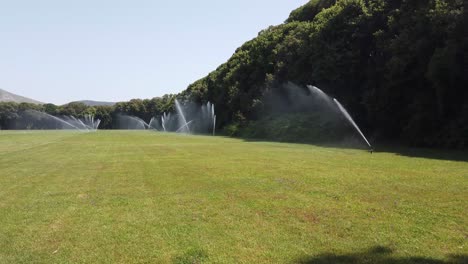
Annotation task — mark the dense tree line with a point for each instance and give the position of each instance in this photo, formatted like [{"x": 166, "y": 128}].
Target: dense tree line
[
  {"x": 396, "y": 64},
  {"x": 145, "y": 109}
]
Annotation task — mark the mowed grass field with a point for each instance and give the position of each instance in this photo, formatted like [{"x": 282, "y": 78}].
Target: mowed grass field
[{"x": 146, "y": 197}]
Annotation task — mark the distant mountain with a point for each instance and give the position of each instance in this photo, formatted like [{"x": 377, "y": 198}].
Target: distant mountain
[
  {"x": 95, "y": 103},
  {"x": 6, "y": 96}
]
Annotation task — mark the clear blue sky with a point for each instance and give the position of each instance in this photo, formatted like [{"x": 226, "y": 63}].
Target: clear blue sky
[{"x": 109, "y": 50}]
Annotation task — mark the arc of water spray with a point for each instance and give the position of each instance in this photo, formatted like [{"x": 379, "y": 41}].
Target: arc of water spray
[
  {"x": 85, "y": 126},
  {"x": 71, "y": 121},
  {"x": 214, "y": 118},
  {"x": 151, "y": 122},
  {"x": 56, "y": 118},
  {"x": 343, "y": 110},
  {"x": 181, "y": 113},
  {"x": 67, "y": 123},
  {"x": 81, "y": 122},
  {"x": 214, "y": 124},
  {"x": 351, "y": 120},
  {"x": 88, "y": 122},
  {"x": 163, "y": 121},
  {"x": 141, "y": 121},
  {"x": 185, "y": 125}
]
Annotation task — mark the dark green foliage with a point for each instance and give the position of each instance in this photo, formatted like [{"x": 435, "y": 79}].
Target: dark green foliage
[
  {"x": 51, "y": 109},
  {"x": 314, "y": 128},
  {"x": 8, "y": 113},
  {"x": 147, "y": 108},
  {"x": 396, "y": 65},
  {"x": 104, "y": 113},
  {"x": 308, "y": 11},
  {"x": 73, "y": 109}
]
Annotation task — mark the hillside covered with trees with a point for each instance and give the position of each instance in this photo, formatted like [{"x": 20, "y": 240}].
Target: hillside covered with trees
[{"x": 397, "y": 65}]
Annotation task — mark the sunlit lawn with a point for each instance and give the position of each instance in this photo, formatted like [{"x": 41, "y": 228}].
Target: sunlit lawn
[{"x": 146, "y": 197}]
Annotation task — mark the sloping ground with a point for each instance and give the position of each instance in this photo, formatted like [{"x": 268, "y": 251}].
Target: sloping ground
[
  {"x": 6, "y": 96},
  {"x": 142, "y": 197}
]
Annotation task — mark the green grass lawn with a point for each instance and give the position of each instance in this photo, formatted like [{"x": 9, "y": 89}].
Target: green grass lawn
[{"x": 146, "y": 197}]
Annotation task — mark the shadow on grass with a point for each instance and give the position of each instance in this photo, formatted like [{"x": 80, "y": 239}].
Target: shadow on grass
[
  {"x": 377, "y": 255},
  {"x": 191, "y": 256},
  {"x": 427, "y": 153},
  {"x": 398, "y": 149}
]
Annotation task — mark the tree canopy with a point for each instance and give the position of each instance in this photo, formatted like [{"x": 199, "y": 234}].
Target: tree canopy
[{"x": 397, "y": 65}]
